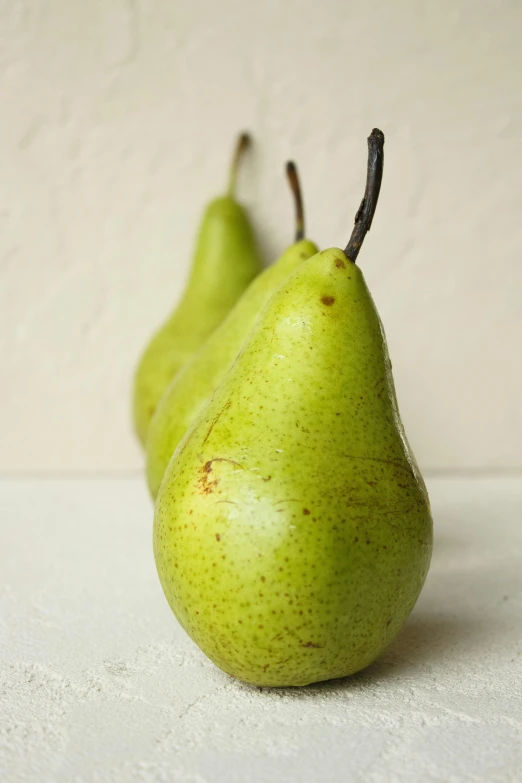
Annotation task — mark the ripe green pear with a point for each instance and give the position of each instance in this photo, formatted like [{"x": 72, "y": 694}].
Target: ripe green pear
[
  {"x": 195, "y": 383},
  {"x": 226, "y": 260},
  {"x": 292, "y": 532}
]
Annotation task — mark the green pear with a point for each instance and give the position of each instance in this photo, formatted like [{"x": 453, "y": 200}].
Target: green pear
[
  {"x": 292, "y": 532},
  {"x": 226, "y": 259},
  {"x": 195, "y": 383}
]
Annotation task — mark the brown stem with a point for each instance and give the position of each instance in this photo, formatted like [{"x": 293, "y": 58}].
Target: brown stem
[
  {"x": 365, "y": 213},
  {"x": 243, "y": 142},
  {"x": 295, "y": 187}
]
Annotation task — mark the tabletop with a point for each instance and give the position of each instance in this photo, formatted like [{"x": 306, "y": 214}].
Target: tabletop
[{"x": 99, "y": 683}]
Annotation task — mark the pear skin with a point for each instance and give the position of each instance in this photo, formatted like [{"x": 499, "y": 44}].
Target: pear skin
[
  {"x": 292, "y": 532},
  {"x": 226, "y": 260},
  {"x": 195, "y": 383}
]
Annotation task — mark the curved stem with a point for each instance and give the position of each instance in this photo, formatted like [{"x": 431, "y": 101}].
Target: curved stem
[
  {"x": 295, "y": 187},
  {"x": 244, "y": 141},
  {"x": 365, "y": 213}
]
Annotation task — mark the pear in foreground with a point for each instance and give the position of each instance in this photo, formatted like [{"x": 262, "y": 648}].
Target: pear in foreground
[
  {"x": 226, "y": 259},
  {"x": 292, "y": 532},
  {"x": 194, "y": 384}
]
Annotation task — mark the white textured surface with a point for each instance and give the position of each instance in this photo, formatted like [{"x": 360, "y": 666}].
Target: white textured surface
[
  {"x": 118, "y": 117},
  {"x": 99, "y": 684}
]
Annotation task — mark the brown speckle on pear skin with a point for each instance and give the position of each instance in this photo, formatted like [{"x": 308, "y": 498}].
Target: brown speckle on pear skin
[
  {"x": 328, "y": 300},
  {"x": 205, "y": 485}
]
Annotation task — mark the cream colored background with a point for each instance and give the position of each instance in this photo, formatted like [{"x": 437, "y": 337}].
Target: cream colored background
[{"x": 117, "y": 122}]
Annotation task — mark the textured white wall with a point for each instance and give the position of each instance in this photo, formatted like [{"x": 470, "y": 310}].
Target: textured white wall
[{"x": 117, "y": 122}]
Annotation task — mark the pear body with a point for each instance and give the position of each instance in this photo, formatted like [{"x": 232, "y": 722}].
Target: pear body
[
  {"x": 292, "y": 532},
  {"x": 225, "y": 261},
  {"x": 197, "y": 380}
]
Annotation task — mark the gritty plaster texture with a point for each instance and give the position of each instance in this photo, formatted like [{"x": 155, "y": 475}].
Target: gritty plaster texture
[
  {"x": 118, "y": 118},
  {"x": 98, "y": 684}
]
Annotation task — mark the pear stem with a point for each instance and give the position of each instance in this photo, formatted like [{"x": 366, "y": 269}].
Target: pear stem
[
  {"x": 244, "y": 140},
  {"x": 365, "y": 213},
  {"x": 295, "y": 187}
]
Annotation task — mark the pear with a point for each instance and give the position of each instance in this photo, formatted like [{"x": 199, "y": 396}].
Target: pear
[
  {"x": 195, "y": 383},
  {"x": 226, "y": 259},
  {"x": 292, "y": 532}
]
